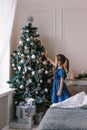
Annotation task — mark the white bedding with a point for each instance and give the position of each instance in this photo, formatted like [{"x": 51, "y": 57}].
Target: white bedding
[{"x": 78, "y": 100}]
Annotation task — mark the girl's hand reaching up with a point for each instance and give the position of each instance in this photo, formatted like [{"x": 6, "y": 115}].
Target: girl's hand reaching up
[{"x": 49, "y": 59}]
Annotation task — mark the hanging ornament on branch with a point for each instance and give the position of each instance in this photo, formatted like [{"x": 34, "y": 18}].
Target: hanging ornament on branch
[
  {"x": 21, "y": 42},
  {"x": 33, "y": 56},
  {"x": 30, "y": 19},
  {"x": 28, "y": 39}
]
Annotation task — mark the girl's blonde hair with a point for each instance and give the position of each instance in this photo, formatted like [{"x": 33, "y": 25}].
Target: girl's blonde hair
[{"x": 63, "y": 60}]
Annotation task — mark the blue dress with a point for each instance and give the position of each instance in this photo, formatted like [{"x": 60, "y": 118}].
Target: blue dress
[{"x": 59, "y": 72}]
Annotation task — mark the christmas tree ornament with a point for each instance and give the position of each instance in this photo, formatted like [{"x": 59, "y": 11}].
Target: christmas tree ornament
[
  {"x": 19, "y": 68},
  {"x": 25, "y": 47},
  {"x": 38, "y": 62},
  {"x": 49, "y": 81},
  {"x": 38, "y": 85},
  {"x": 28, "y": 39},
  {"x": 33, "y": 72},
  {"x": 30, "y": 19},
  {"x": 33, "y": 56},
  {"x": 46, "y": 72},
  {"x": 22, "y": 61},
  {"x": 36, "y": 92},
  {"x": 22, "y": 55},
  {"x": 39, "y": 71},
  {"x": 14, "y": 68},
  {"x": 21, "y": 87},
  {"x": 21, "y": 42},
  {"x": 13, "y": 65},
  {"x": 30, "y": 80},
  {"x": 26, "y": 51},
  {"x": 14, "y": 54},
  {"x": 18, "y": 53},
  {"x": 32, "y": 43},
  {"x": 23, "y": 72},
  {"x": 31, "y": 37},
  {"x": 37, "y": 32},
  {"x": 22, "y": 77},
  {"x": 27, "y": 31},
  {"x": 25, "y": 69},
  {"x": 46, "y": 90},
  {"x": 29, "y": 68},
  {"x": 44, "y": 62},
  {"x": 21, "y": 31},
  {"x": 27, "y": 84},
  {"x": 17, "y": 80},
  {"x": 27, "y": 89},
  {"x": 41, "y": 81},
  {"x": 28, "y": 56},
  {"x": 42, "y": 69}
]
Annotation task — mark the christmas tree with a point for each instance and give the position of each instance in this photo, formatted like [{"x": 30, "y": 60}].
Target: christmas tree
[{"x": 32, "y": 72}]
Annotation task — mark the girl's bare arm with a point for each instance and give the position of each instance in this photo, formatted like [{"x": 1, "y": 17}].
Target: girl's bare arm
[{"x": 50, "y": 60}]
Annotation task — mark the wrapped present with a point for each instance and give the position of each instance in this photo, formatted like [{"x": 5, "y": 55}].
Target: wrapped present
[
  {"x": 22, "y": 124},
  {"x": 25, "y": 110}
]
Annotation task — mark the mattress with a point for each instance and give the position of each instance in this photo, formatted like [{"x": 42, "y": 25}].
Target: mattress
[{"x": 64, "y": 119}]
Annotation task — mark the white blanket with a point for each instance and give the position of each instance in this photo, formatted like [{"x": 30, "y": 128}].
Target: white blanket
[{"x": 78, "y": 100}]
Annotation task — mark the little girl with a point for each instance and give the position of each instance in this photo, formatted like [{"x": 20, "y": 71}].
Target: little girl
[{"x": 59, "y": 90}]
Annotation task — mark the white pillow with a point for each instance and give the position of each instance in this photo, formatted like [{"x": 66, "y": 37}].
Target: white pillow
[
  {"x": 84, "y": 103},
  {"x": 74, "y": 101}
]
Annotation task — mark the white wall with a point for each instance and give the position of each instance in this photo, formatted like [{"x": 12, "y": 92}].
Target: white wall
[
  {"x": 4, "y": 69},
  {"x": 62, "y": 25}
]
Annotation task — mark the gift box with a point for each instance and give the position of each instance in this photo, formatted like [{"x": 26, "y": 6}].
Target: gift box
[
  {"x": 21, "y": 124},
  {"x": 25, "y": 111}
]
